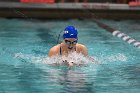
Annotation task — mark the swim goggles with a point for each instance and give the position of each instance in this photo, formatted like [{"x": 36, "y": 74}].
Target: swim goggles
[{"x": 70, "y": 42}]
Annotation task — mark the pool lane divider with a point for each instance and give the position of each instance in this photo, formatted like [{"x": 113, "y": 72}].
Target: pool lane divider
[
  {"x": 118, "y": 34},
  {"x": 114, "y": 32}
]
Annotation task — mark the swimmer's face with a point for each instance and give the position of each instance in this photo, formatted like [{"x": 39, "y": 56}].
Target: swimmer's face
[{"x": 70, "y": 42}]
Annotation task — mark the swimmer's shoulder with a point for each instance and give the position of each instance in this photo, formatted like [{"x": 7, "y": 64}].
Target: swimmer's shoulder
[
  {"x": 54, "y": 50},
  {"x": 81, "y": 46},
  {"x": 82, "y": 49}
]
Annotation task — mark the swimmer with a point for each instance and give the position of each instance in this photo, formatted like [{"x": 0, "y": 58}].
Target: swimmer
[{"x": 69, "y": 44}]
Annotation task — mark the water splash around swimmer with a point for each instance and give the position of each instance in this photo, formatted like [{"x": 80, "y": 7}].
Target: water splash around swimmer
[
  {"x": 77, "y": 59},
  {"x": 72, "y": 59}
]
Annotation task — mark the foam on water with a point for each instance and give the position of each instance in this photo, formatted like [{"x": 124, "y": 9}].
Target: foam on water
[
  {"x": 113, "y": 58},
  {"x": 76, "y": 58}
]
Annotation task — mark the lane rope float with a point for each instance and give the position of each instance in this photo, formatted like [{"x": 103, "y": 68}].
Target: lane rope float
[
  {"x": 119, "y": 34},
  {"x": 114, "y": 32}
]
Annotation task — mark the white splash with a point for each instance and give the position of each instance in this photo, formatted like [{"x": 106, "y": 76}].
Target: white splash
[
  {"x": 75, "y": 58},
  {"x": 114, "y": 58}
]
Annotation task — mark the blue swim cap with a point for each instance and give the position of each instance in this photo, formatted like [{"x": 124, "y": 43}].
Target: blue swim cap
[{"x": 70, "y": 32}]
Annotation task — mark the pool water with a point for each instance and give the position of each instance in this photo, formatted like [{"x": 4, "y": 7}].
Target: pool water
[{"x": 25, "y": 42}]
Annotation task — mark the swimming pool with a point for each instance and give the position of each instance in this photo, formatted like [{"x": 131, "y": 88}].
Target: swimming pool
[{"x": 119, "y": 71}]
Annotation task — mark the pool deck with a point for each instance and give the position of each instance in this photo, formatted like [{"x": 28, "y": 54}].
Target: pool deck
[{"x": 68, "y": 10}]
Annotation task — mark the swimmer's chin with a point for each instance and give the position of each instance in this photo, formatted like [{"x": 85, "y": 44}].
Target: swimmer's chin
[{"x": 70, "y": 48}]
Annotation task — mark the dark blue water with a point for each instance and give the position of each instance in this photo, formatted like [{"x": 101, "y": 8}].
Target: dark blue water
[{"x": 119, "y": 71}]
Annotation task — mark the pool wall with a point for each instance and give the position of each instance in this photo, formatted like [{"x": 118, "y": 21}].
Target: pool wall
[{"x": 69, "y": 10}]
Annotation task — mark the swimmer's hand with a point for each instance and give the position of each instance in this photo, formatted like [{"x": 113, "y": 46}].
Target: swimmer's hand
[
  {"x": 65, "y": 62},
  {"x": 69, "y": 64}
]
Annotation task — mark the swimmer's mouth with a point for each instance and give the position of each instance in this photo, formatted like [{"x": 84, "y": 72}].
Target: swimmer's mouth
[{"x": 70, "y": 47}]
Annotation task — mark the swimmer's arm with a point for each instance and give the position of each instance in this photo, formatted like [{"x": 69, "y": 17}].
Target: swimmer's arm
[
  {"x": 84, "y": 50},
  {"x": 53, "y": 51}
]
